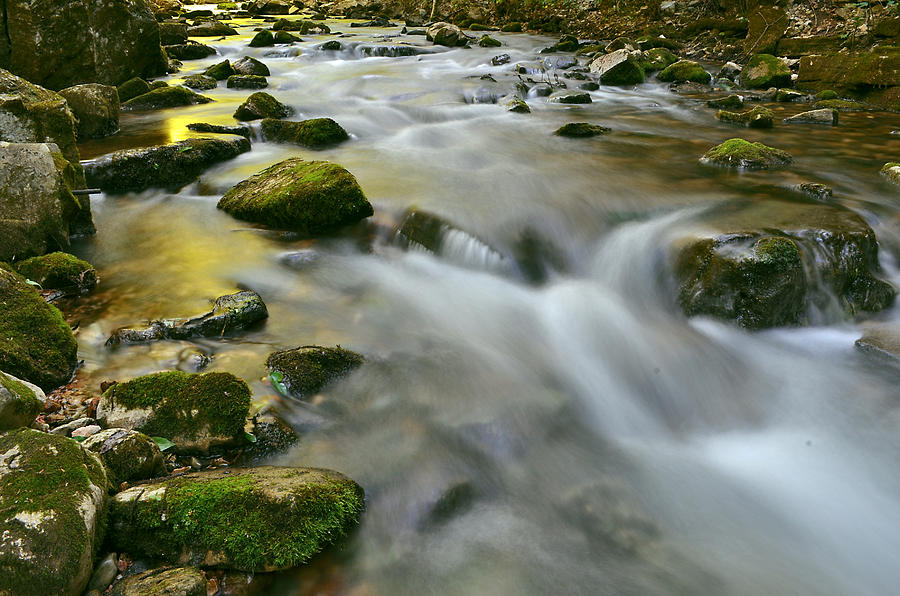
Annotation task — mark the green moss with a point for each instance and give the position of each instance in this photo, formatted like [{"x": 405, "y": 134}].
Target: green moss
[
  {"x": 316, "y": 133},
  {"x": 247, "y": 82},
  {"x": 765, "y": 70},
  {"x": 199, "y": 81},
  {"x": 261, "y": 105},
  {"x": 28, "y": 404},
  {"x": 842, "y": 105},
  {"x": 58, "y": 270},
  {"x": 227, "y": 6},
  {"x": 590, "y": 50},
  {"x": 262, "y": 39},
  {"x": 487, "y": 41},
  {"x": 183, "y": 403},
  {"x": 826, "y": 94},
  {"x": 285, "y": 37},
  {"x": 658, "y": 59},
  {"x": 513, "y": 27},
  {"x": 165, "y": 97},
  {"x": 220, "y": 70},
  {"x": 684, "y": 71},
  {"x": 777, "y": 252},
  {"x": 132, "y": 88},
  {"x": 758, "y": 117},
  {"x": 739, "y": 153},
  {"x": 308, "y": 369},
  {"x": 580, "y": 130}
]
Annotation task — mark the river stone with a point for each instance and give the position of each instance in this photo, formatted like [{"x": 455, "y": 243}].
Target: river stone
[
  {"x": 611, "y": 518},
  {"x": 764, "y": 71},
  {"x": 738, "y": 153},
  {"x": 282, "y": 37},
  {"x": 164, "y": 97},
  {"x": 32, "y": 114},
  {"x": 891, "y": 171},
  {"x": 250, "y": 66},
  {"x": 239, "y": 129},
  {"x": 96, "y": 109},
  {"x": 310, "y": 197},
  {"x": 191, "y": 50},
  {"x": 684, "y": 71},
  {"x": 197, "y": 412},
  {"x": 758, "y": 117},
  {"x": 246, "y": 82},
  {"x": 255, "y": 519},
  {"x": 872, "y": 76},
  {"x": 307, "y": 369},
  {"x": 104, "y": 573},
  {"x": 273, "y": 437},
  {"x": 132, "y": 88},
  {"x": 617, "y": 68},
  {"x": 729, "y": 102},
  {"x": 59, "y": 271},
  {"x": 163, "y": 166},
  {"x": 789, "y": 96},
  {"x": 220, "y": 70},
  {"x": 303, "y": 26},
  {"x": 580, "y": 130},
  {"x": 127, "y": 454},
  {"x": 316, "y": 133},
  {"x": 513, "y": 103},
  {"x": 230, "y": 313},
  {"x": 567, "y": 96},
  {"x": 748, "y": 262},
  {"x": 822, "y": 116},
  {"x": 843, "y": 105},
  {"x": 20, "y": 402},
  {"x": 163, "y": 581},
  {"x": 210, "y": 29},
  {"x": 445, "y": 34},
  {"x": 171, "y": 34},
  {"x": 882, "y": 339},
  {"x": 60, "y": 45},
  {"x": 52, "y": 507},
  {"x": 657, "y": 59},
  {"x": 262, "y": 39},
  {"x": 261, "y": 105},
  {"x": 199, "y": 81},
  {"x": 268, "y": 7},
  {"x": 487, "y": 41}
]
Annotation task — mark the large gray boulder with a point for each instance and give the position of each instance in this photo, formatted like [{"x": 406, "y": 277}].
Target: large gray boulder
[
  {"x": 52, "y": 507},
  {"x": 618, "y": 68},
  {"x": 58, "y": 45},
  {"x": 445, "y": 34},
  {"x": 95, "y": 107}
]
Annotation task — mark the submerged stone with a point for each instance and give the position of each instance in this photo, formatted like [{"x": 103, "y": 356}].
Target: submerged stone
[
  {"x": 316, "y": 133},
  {"x": 164, "y": 97},
  {"x": 823, "y": 116},
  {"x": 891, "y": 171},
  {"x": 307, "y": 369},
  {"x": 738, "y": 153},
  {"x": 261, "y": 105},
  {"x": 581, "y": 130},
  {"x": 250, "y": 66}
]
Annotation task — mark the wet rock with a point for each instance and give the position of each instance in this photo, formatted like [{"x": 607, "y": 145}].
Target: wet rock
[
  {"x": 487, "y": 41},
  {"x": 891, "y": 171},
  {"x": 68, "y": 428},
  {"x": 191, "y": 50},
  {"x": 445, "y": 34},
  {"x": 165, "y": 581},
  {"x": 728, "y": 102},
  {"x": 842, "y": 105},
  {"x": 618, "y": 68},
  {"x": 20, "y": 402},
  {"x": 171, "y": 34},
  {"x": 282, "y": 37},
  {"x": 96, "y": 109},
  {"x": 262, "y": 39},
  {"x": 560, "y": 63},
  {"x": 515, "y": 104},
  {"x": 376, "y": 22},
  {"x": 273, "y": 437},
  {"x": 684, "y": 71},
  {"x": 303, "y": 27},
  {"x": 36, "y": 344},
  {"x": 132, "y": 88},
  {"x": 250, "y": 66},
  {"x": 261, "y": 105},
  {"x": 738, "y": 153},
  {"x": 163, "y": 166},
  {"x": 164, "y": 97},
  {"x": 127, "y": 454},
  {"x": 258, "y": 519},
  {"x": 758, "y": 117},
  {"x": 97, "y": 42},
  {"x": 196, "y": 412},
  {"x": 764, "y": 71},
  {"x": 871, "y": 76},
  {"x": 246, "y": 82},
  {"x": 210, "y": 29},
  {"x": 310, "y": 197},
  {"x": 232, "y": 312},
  {"x": 500, "y": 60},
  {"x": 789, "y": 95},
  {"x": 765, "y": 27},
  {"x": 158, "y": 85},
  {"x": 571, "y": 97},
  {"x": 882, "y": 339},
  {"x": 316, "y": 133},
  {"x": 239, "y": 129},
  {"x": 658, "y": 59},
  {"x": 730, "y": 71},
  {"x": 50, "y": 528},
  {"x": 580, "y": 130},
  {"x": 32, "y": 114},
  {"x": 104, "y": 573},
  {"x": 331, "y": 46},
  {"x": 541, "y": 90},
  {"x": 306, "y": 370},
  {"x": 589, "y": 86},
  {"x": 220, "y": 70},
  {"x": 823, "y": 116},
  {"x": 59, "y": 271},
  {"x": 199, "y": 81},
  {"x": 611, "y": 518},
  {"x": 268, "y": 7},
  {"x": 768, "y": 263},
  {"x": 819, "y": 192},
  {"x": 512, "y": 27}
]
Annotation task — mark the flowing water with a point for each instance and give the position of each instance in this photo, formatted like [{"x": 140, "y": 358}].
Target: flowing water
[{"x": 575, "y": 435}]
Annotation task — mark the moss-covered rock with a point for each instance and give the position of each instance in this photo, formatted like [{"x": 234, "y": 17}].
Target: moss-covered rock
[
  {"x": 684, "y": 71},
  {"x": 261, "y": 105},
  {"x": 789, "y": 96},
  {"x": 842, "y": 105},
  {"x": 769, "y": 263},
  {"x": 220, "y": 70},
  {"x": 513, "y": 103},
  {"x": 210, "y": 29},
  {"x": 52, "y": 507},
  {"x": 259, "y": 519},
  {"x": 172, "y": 33},
  {"x": 262, "y": 39},
  {"x": 487, "y": 41},
  {"x": 199, "y": 81},
  {"x": 570, "y": 96},
  {"x": 238, "y": 129},
  {"x": 191, "y": 50},
  {"x": 20, "y": 402},
  {"x": 59, "y": 271},
  {"x": 127, "y": 454},
  {"x": 827, "y": 94},
  {"x": 273, "y": 437},
  {"x": 618, "y": 68},
  {"x": 230, "y": 313},
  {"x": 758, "y": 117},
  {"x": 307, "y": 369},
  {"x": 580, "y": 130},
  {"x": 512, "y": 27},
  {"x": 249, "y": 65},
  {"x": 764, "y": 71},
  {"x": 306, "y": 196},
  {"x": 316, "y": 133},
  {"x": 246, "y": 82},
  {"x": 822, "y": 116},
  {"x": 891, "y": 171},
  {"x": 163, "y": 166},
  {"x": 729, "y": 102},
  {"x": 869, "y": 76},
  {"x": 657, "y": 59},
  {"x": 158, "y": 85},
  {"x": 162, "y": 581},
  {"x": 288, "y": 38},
  {"x": 197, "y": 412},
  {"x": 132, "y": 88},
  {"x": 738, "y": 153},
  {"x": 303, "y": 26},
  {"x": 164, "y": 97},
  {"x": 96, "y": 109},
  {"x": 268, "y": 7}
]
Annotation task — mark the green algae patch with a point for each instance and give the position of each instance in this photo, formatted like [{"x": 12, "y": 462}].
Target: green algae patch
[
  {"x": 259, "y": 519},
  {"x": 738, "y": 153},
  {"x": 308, "y": 369},
  {"x": 684, "y": 71},
  {"x": 59, "y": 270},
  {"x": 316, "y": 133},
  {"x": 310, "y": 197},
  {"x": 843, "y": 105}
]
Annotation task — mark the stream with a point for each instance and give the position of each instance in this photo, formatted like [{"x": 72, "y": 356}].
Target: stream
[{"x": 570, "y": 433}]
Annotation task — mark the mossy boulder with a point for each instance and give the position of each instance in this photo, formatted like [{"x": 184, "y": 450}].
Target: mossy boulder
[
  {"x": 758, "y": 117},
  {"x": 618, "y": 68},
  {"x": 891, "y": 171},
  {"x": 870, "y": 76},
  {"x": 197, "y": 412},
  {"x": 127, "y": 454},
  {"x": 163, "y": 166},
  {"x": 246, "y": 82},
  {"x": 257, "y": 519},
  {"x": 657, "y": 59},
  {"x": 172, "y": 33},
  {"x": 822, "y": 116},
  {"x": 200, "y": 81},
  {"x": 512, "y": 27},
  {"x": 827, "y": 94},
  {"x": 261, "y": 105},
  {"x": 310, "y": 197},
  {"x": 580, "y": 130},
  {"x": 162, "y": 581},
  {"x": 487, "y": 41},
  {"x": 262, "y": 39},
  {"x": 164, "y": 97},
  {"x": 316, "y": 133},
  {"x": 445, "y": 34},
  {"x": 738, "y": 153},
  {"x": 729, "y": 102},
  {"x": 283, "y": 37},
  {"x": 132, "y": 88},
  {"x": 52, "y": 507},
  {"x": 210, "y": 29},
  {"x": 230, "y": 313},
  {"x": 770, "y": 263},
  {"x": 96, "y": 109},
  {"x": 684, "y": 71},
  {"x": 59, "y": 271},
  {"x": 158, "y": 85},
  {"x": 764, "y": 71},
  {"x": 842, "y": 105},
  {"x": 20, "y": 402},
  {"x": 570, "y": 96},
  {"x": 249, "y": 65},
  {"x": 32, "y": 114},
  {"x": 191, "y": 50},
  {"x": 220, "y": 70},
  {"x": 307, "y": 369}
]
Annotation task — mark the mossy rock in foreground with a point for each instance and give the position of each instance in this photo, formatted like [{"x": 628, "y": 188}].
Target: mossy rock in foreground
[
  {"x": 59, "y": 271},
  {"x": 52, "y": 506},
  {"x": 258, "y": 519},
  {"x": 738, "y": 153},
  {"x": 684, "y": 71},
  {"x": 196, "y": 412},
  {"x": 305, "y": 196},
  {"x": 316, "y": 133},
  {"x": 36, "y": 344},
  {"x": 308, "y": 369},
  {"x": 20, "y": 402}
]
